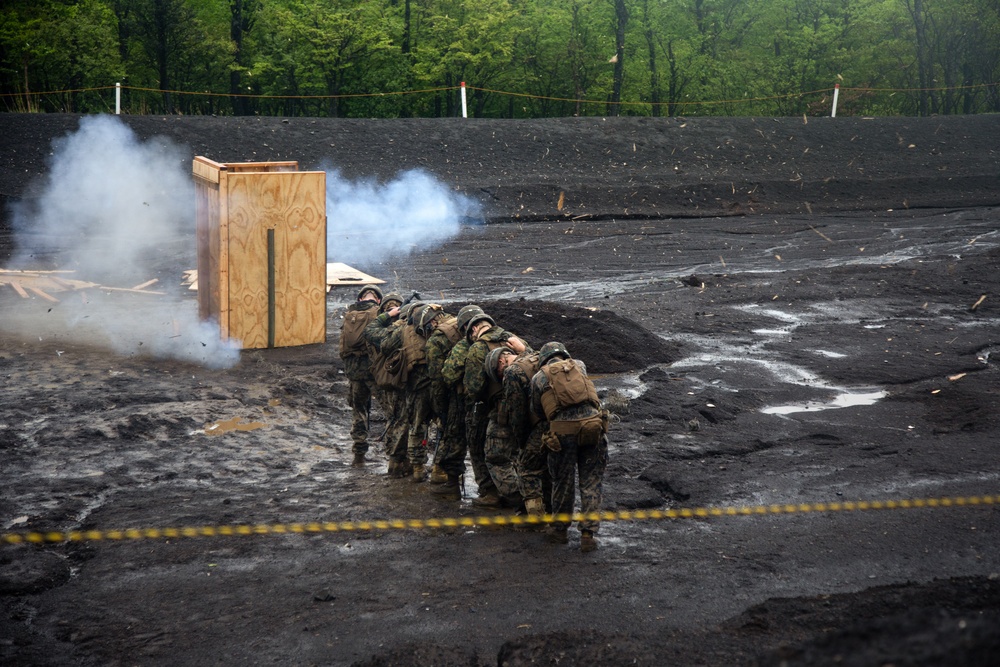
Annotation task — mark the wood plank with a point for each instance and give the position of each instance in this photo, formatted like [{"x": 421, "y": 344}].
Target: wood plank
[
  {"x": 39, "y": 292},
  {"x": 20, "y": 290},
  {"x": 130, "y": 290},
  {"x": 24, "y": 272},
  {"x": 73, "y": 284},
  {"x": 205, "y": 169},
  {"x": 146, "y": 284},
  {"x": 338, "y": 273},
  {"x": 261, "y": 167}
]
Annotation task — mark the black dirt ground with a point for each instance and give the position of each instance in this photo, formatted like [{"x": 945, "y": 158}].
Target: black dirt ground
[{"x": 727, "y": 281}]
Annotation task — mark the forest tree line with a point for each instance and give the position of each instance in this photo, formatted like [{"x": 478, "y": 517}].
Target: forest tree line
[{"x": 520, "y": 58}]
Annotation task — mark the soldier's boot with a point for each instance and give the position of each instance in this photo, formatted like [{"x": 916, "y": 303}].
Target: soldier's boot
[
  {"x": 437, "y": 476},
  {"x": 559, "y": 534},
  {"x": 359, "y": 460},
  {"x": 398, "y": 469},
  {"x": 536, "y": 510},
  {"x": 587, "y": 541},
  {"x": 450, "y": 490},
  {"x": 419, "y": 473},
  {"x": 488, "y": 500}
]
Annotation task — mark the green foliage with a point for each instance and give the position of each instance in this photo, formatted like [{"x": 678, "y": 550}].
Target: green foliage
[{"x": 520, "y": 58}]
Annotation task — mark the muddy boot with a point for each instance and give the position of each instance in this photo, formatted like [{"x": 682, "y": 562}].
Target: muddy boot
[
  {"x": 399, "y": 469},
  {"x": 536, "y": 510},
  {"x": 438, "y": 476},
  {"x": 559, "y": 535},
  {"x": 488, "y": 500},
  {"x": 419, "y": 473},
  {"x": 359, "y": 460},
  {"x": 587, "y": 541},
  {"x": 450, "y": 490}
]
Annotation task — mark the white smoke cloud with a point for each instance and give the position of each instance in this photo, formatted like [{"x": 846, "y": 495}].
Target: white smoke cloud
[
  {"x": 110, "y": 208},
  {"x": 368, "y": 221}
]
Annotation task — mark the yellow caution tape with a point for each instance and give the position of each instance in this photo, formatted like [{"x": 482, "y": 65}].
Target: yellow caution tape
[{"x": 501, "y": 520}]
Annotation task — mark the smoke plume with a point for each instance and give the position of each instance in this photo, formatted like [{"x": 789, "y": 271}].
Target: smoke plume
[
  {"x": 111, "y": 208},
  {"x": 369, "y": 222}
]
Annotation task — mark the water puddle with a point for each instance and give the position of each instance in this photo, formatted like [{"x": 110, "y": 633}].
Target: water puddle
[
  {"x": 234, "y": 424},
  {"x": 846, "y": 400}
]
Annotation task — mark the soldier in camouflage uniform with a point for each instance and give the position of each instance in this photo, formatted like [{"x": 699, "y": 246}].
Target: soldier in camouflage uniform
[
  {"x": 384, "y": 337},
  {"x": 452, "y": 459},
  {"x": 481, "y": 399},
  {"x": 417, "y": 393},
  {"x": 357, "y": 366},
  {"x": 529, "y": 455},
  {"x": 441, "y": 331},
  {"x": 575, "y": 445}
]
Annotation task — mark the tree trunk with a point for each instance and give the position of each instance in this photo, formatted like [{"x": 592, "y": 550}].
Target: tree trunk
[
  {"x": 241, "y": 21},
  {"x": 621, "y": 20},
  {"x": 654, "y": 73}
]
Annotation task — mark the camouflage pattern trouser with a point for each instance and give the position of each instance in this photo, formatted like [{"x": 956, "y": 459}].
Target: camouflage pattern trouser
[
  {"x": 590, "y": 463},
  {"x": 476, "y": 421},
  {"x": 500, "y": 452},
  {"x": 418, "y": 414},
  {"x": 359, "y": 397},
  {"x": 450, "y": 452},
  {"x": 532, "y": 465},
  {"x": 396, "y": 427}
]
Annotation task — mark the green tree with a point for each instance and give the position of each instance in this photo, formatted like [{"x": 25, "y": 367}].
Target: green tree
[{"x": 47, "y": 45}]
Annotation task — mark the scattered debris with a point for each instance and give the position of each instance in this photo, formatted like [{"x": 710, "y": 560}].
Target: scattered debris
[{"x": 43, "y": 283}]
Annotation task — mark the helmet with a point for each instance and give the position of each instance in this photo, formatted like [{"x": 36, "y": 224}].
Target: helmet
[
  {"x": 466, "y": 314},
  {"x": 476, "y": 319},
  {"x": 550, "y": 350},
  {"x": 417, "y": 314},
  {"x": 404, "y": 311},
  {"x": 373, "y": 289},
  {"x": 413, "y": 312},
  {"x": 493, "y": 359},
  {"x": 427, "y": 315},
  {"x": 393, "y": 298}
]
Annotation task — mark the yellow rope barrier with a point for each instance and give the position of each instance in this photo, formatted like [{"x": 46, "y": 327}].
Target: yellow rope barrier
[{"x": 482, "y": 521}]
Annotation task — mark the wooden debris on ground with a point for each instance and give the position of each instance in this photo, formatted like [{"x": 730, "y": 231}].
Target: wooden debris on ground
[{"x": 45, "y": 284}]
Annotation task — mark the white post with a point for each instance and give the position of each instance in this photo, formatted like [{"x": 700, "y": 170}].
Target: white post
[
  {"x": 118, "y": 98},
  {"x": 836, "y": 94},
  {"x": 465, "y": 109}
]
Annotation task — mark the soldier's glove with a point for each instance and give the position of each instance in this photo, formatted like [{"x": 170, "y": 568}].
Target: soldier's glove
[{"x": 551, "y": 440}]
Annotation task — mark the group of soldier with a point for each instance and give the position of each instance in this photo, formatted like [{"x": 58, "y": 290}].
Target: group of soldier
[{"x": 530, "y": 422}]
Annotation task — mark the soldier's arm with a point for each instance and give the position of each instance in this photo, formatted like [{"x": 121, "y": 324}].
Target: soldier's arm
[{"x": 518, "y": 405}]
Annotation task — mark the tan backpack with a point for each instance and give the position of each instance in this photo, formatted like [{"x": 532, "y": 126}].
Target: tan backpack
[
  {"x": 568, "y": 386},
  {"x": 352, "y": 332}
]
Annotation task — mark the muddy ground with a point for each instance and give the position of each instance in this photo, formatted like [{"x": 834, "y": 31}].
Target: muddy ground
[{"x": 781, "y": 311}]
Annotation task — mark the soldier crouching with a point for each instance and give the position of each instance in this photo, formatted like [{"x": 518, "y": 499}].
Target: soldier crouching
[{"x": 562, "y": 393}]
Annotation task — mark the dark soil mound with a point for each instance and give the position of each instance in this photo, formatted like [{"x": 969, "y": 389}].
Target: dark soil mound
[{"x": 605, "y": 341}]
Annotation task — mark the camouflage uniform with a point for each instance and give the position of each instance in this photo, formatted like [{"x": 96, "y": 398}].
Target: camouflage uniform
[
  {"x": 514, "y": 412},
  {"x": 454, "y": 442},
  {"x": 418, "y": 401},
  {"x": 361, "y": 386},
  {"x": 443, "y": 399},
  {"x": 482, "y": 432},
  {"x": 384, "y": 336},
  {"x": 564, "y": 465}
]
